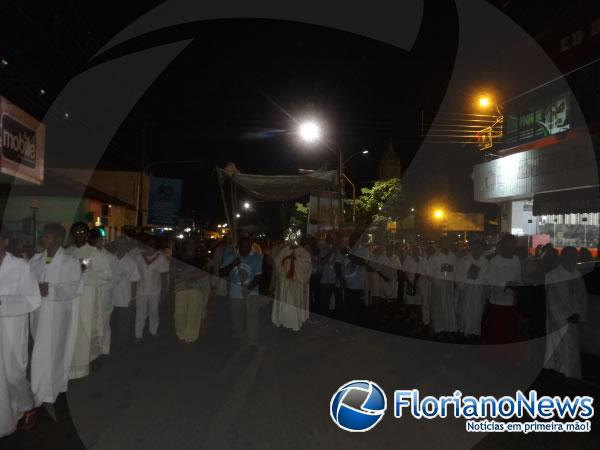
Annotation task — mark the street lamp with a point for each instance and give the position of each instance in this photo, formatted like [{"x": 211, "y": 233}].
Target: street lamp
[
  {"x": 310, "y": 131},
  {"x": 438, "y": 214},
  {"x": 246, "y": 205}
]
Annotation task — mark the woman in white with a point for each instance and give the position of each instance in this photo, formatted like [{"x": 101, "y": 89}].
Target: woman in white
[
  {"x": 19, "y": 296},
  {"x": 566, "y": 305},
  {"x": 153, "y": 267},
  {"x": 54, "y": 324}
]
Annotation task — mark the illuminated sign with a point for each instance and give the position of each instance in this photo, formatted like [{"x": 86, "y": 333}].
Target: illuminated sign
[{"x": 22, "y": 141}]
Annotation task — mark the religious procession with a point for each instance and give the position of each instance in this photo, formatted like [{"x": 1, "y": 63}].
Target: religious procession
[{"x": 81, "y": 302}]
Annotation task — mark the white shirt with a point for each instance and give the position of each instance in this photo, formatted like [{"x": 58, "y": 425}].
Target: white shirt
[
  {"x": 125, "y": 272},
  {"x": 150, "y": 274}
]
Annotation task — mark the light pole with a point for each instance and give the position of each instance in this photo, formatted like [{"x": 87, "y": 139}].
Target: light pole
[{"x": 311, "y": 133}]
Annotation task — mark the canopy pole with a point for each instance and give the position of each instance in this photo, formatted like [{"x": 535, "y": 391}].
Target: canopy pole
[{"x": 220, "y": 182}]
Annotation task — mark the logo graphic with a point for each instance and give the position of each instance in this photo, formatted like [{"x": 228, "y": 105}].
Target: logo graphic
[
  {"x": 17, "y": 141},
  {"x": 358, "y": 406}
]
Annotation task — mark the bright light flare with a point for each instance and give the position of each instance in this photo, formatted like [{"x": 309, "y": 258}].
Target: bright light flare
[
  {"x": 484, "y": 101},
  {"x": 246, "y": 205},
  {"x": 365, "y": 152},
  {"x": 438, "y": 214},
  {"x": 310, "y": 131}
]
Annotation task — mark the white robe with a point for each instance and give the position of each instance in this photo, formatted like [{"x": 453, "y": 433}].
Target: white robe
[
  {"x": 565, "y": 296},
  {"x": 500, "y": 271},
  {"x": 409, "y": 269},
  {"x": 290, "y": 308},
  {"x": 125, "y": 272},
  {"x": 470, "y": 294},
  {"x": 88, "y": 345},
  {"x": 379, "y": 287},
  {"x": 19, "y": 296},
  {"x": 424, "y": 289},
  {"x": 391, "y": 287},
  {"x": 441, "y": 300},
  {"x": 54, "y": 325}
]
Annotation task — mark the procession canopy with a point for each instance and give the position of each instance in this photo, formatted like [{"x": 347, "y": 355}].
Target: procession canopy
[{"x": 281, "y": 187}]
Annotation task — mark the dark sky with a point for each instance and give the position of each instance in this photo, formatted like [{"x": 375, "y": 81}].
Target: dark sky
[{"x": 234, "y": 93}]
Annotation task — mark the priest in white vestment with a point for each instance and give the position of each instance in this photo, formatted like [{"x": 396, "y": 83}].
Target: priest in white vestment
[
  {"x": 19, "y": 296},
  {"x": 54, "y": 324},
  {"x": 471, "y": 290},
  {"x": 566, "y": 305},
  {"x": 293, "y": 270},
  {"x": 96, "y": 273}
]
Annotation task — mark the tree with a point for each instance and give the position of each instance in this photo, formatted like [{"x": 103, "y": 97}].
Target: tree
[
  {"x": 377, "y": 204},
  {"x": 299, "y": 217}
]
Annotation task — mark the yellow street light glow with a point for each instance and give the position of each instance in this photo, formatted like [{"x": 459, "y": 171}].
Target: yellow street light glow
[
  {"x": 438, "y": 214},
  {"x": 484, "y": 101}
]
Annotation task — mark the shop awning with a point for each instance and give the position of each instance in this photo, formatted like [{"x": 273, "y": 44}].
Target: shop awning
[{"x": 572, "y": 201}]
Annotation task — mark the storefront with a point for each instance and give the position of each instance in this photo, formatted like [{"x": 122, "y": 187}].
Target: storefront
[{"x": 547, "y": 190}]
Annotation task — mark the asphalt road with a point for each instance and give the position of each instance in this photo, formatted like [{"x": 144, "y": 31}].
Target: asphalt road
[{"x": 218, "y": 394}]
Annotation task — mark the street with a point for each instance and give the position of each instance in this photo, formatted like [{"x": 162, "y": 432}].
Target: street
[{"x": 214, "y": 394}]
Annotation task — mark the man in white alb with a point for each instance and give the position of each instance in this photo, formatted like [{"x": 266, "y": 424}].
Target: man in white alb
[
  {"x": 19, "y": 296},
  {"x": 96, "y": 273},
  {"x": 54, "y": 324}
]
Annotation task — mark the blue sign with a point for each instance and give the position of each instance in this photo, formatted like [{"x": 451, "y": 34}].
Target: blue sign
[{"x": 164, "y": 201}]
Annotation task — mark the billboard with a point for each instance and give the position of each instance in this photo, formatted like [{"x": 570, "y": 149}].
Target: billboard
[
  {"x": 164, "y": 201},
  {"x": 566, "y": 164},
  {"x": 22, "y": 144}
]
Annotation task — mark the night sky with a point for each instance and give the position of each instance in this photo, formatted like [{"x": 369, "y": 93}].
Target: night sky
[{"x": 237, "y": 90}]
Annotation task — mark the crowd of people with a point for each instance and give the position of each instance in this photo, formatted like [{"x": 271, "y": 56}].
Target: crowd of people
[{"x": 80, "y": 302}]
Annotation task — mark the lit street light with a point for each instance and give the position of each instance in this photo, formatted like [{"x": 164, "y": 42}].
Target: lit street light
[
  {"x": 484, "y": 101},
  {"x": 310, "y": 131},
  {"x": 246, "y": 205},
  {"x": 438, "y": 214},
  {"x": 238, "y": 215}
]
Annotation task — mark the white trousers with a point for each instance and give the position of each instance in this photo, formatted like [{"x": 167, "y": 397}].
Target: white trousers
[{"x": 146, "y": 307}]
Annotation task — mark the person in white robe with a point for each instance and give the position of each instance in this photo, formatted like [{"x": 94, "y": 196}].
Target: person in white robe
[
  {"x": 411, "y": 274},
  {"x": 441, "y": 300},
  {"x": 291, "y": 304},
  {"x": 54, "y": 324},
  {"x": 96, "y": 273},
  {"x": 102, "y": 329},
  {"x": 391, "y": 287},
  {"x": 424, "y": 284},
  {"x": 153, "y": 268},
  {"x": 126, "y": 275},
  {"x": 19, "y": 296},
  {"x": 382, "y": 274},
  {"x": 503, "y": 276},
  {"x": 470, "y": 291},
  {"x": 566, "y": 305}
]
